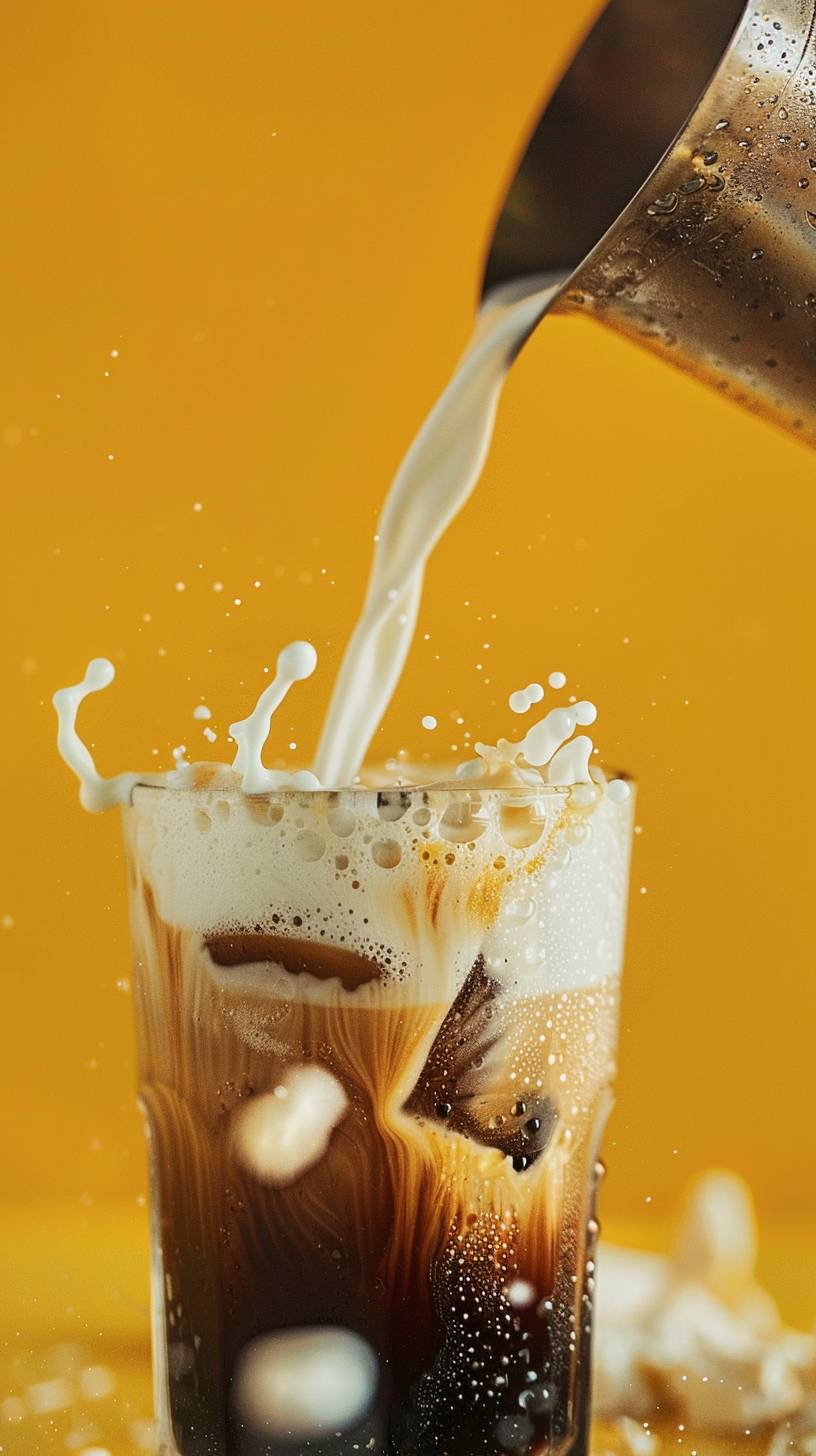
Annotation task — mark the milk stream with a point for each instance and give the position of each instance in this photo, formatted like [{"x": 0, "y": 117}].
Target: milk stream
[{"x": 433, "y": 483}]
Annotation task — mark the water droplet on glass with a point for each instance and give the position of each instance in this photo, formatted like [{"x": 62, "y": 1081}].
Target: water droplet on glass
[
  {"x": 810, "y": 218},
  {"x": 693, "y": 185},
  {"x": 757, "y": 254}
]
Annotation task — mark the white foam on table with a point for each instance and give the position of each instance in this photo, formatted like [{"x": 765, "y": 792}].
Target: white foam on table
[{"x": 696, "y": 1332}]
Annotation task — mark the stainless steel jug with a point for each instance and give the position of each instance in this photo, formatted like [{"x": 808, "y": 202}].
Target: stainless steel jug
[{"x": 672, "y": 177}]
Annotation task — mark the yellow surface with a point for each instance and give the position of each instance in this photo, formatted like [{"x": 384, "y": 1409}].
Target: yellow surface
[
  {"x": 75, "y": 1294},
  {"x": 276, "y": 214}
]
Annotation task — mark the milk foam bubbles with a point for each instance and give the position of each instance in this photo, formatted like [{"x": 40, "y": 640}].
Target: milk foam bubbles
[
  {"x": 298, "y": 1384},
  {"x": 412, "y": 882},
  {"x": 565, "y": 930}
]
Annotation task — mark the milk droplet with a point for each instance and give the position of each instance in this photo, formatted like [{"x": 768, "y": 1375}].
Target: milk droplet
[
  {"x": 557, "y": 680},
  {"x": 429, "y": 722},
  {"x": 297, "y": 661},
  {"x": 585, "y": 713},
  {"x": 618, "y": 791},
  {"x": 201, "y": 712}
]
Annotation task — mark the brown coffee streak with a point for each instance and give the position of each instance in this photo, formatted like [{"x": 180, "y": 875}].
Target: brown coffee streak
[
  {"x": 412, "y": 1225},
  {"x": 299, "y": 957}
]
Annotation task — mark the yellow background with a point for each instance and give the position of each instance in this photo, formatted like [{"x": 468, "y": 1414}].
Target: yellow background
[{"x": 276, "y": 214}]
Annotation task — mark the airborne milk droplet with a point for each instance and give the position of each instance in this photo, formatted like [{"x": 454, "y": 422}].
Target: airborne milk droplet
[
  {"x": 618, "y": 791},
  {"x": 519, "y": 701},
  {"x": 297, "y": 1384}
]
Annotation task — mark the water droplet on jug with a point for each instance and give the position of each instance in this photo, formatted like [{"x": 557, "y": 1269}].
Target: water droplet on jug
[
  {"x": 810, "y": 217},
  {"x": 662, "y": 206},
  {"x": 722, "y": 125},
  {"x": 757, "y": 254},
  {"x": 693, "y": 185}
]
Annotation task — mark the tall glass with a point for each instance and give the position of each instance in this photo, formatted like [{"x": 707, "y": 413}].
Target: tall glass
[{"x": 376, "y": 1042}]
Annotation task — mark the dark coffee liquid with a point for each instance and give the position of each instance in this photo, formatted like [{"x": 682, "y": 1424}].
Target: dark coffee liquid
[{"x": 446, "y": 1223}]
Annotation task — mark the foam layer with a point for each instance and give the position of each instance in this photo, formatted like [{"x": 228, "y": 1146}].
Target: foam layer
[{"x": 407, "y": 887}]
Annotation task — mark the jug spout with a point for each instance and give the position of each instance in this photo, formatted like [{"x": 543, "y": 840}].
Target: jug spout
[{"x": 672, "y": 177}]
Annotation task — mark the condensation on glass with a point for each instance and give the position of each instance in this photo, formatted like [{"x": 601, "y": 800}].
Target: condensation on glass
[{"x": 376, "y": 1045}]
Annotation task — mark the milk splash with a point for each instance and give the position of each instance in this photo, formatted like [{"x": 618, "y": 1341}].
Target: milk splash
[
  {"x": 434, "y": 481},
  {"x": 95, "y": 792},
  {"x": 295, "y": 663}
]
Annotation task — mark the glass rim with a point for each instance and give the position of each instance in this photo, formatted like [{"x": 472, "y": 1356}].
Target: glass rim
[{"x": 446, "y": 787}]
